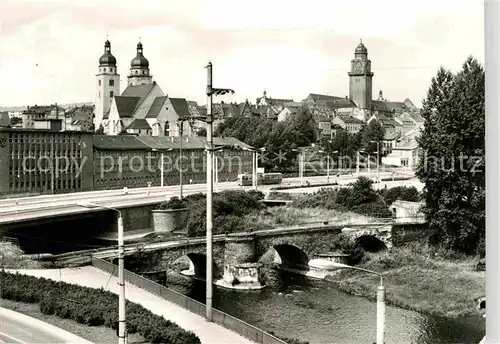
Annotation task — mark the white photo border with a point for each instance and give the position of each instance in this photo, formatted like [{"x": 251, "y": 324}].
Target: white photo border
[{"x": 492, "y": 104}]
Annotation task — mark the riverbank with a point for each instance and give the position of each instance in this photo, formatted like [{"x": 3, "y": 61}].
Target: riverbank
[
  {"x": 417, "y": 279},
  {"x": 95, "y": 334}
]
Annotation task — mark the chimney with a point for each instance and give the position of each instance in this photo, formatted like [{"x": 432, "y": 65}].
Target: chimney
[{"x": 172, "y": 138}]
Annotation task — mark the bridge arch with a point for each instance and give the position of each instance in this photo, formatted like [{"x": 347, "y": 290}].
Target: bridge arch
[
  {"x": 195, "y": 264},
  {"x": 287, "y": 255},
  {"x": 370, "y": 243}
]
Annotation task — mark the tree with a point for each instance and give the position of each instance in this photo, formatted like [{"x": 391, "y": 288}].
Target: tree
[
  {"x": 202, "y": 132},
  {"x": 15, "y": 121},
  {"x": 452, "y": 163},
  {"x": 370, "y": 134}
]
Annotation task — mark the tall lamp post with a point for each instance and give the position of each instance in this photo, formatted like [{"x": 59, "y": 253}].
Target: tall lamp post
[
  {"x": 180, "y": 123},
  {"x": 380, "y": 299},
  {"x": 378, "y": 157},
  {"x": 210, "y": 91},
  {"x": 162, "y": 163},
  {"x": 255, "y": 159},
  {"x": 122, "y": 325}
]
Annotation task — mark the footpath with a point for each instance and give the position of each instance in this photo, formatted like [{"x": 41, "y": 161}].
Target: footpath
[{"x": 88, "y": 276}]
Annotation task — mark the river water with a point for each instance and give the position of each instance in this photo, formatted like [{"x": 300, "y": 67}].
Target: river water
[{"x": 295, "y": 306}]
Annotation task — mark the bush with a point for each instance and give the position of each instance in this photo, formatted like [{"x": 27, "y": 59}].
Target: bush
[
  {"x": 92, "y": 307},
  {"x": 230, "y": 207},
  {"x": 402, "y": 193},
  {"x": 172, "y": 203}
]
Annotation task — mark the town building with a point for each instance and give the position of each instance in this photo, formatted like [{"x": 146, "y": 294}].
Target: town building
[
  {"x": 48, "y": 117},
  {"x": 80, "y": 118},
  {"x": 349, "y": 123},
  {"x": 34, "y": 162}
]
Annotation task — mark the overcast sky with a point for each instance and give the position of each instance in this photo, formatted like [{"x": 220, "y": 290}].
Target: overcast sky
[{"x": 49, "y": 49}]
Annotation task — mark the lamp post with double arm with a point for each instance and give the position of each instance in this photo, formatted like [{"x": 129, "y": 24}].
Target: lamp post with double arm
[{"x": 210, "y": 91}]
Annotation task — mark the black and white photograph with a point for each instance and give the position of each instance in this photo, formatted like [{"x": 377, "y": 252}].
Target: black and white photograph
[{"x": 249, "y": 172}]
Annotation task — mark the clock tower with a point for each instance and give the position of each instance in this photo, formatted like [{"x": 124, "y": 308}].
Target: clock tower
[{"x": 360, "y": 78}]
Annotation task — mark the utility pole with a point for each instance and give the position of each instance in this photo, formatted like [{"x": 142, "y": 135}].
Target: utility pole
[
  {"x": 180, "y": 160},
  {"x": 210, "y": 150}
]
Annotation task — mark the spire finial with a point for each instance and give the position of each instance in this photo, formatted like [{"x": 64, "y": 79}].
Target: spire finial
[
  {"x": 140, "y": 39},
  {"x": 107, "y": 37},
  {"x": 361, "y": 40}
]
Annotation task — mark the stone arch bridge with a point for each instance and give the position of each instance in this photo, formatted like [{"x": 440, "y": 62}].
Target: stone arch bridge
[{"x": 291, "y": 247}]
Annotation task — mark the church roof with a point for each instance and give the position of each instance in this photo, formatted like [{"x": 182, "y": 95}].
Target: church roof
[
  {"x": 126, "y": 105},
  {"x": 138, "y": 90},
  {"x": 139, "y": 123},
  {"x": 385, "y": 106},
  {"x": 156, "y": 107},
  {"x": 180, "y": 106},
  {"x": 316, "y": 96}
]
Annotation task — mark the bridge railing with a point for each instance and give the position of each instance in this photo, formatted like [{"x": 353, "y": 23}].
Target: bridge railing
[{"x": 234, "y": 324}]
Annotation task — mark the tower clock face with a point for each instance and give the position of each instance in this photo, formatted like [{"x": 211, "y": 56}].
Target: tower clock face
[{"x": 358, "y": 67}]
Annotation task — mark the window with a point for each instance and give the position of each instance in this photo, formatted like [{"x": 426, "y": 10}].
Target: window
[
  {"x": 99, "y": 93},
  {"x": 111, "y": 83},
  {"x": 111, "y": 94},
  {"x": 104, "y": 70},
  {"x": 99, "y": 82},
  {"x": 143, "y": 72}
]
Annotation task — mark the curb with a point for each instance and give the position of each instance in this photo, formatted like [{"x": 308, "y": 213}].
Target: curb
[{"x": 55, "y": 331}]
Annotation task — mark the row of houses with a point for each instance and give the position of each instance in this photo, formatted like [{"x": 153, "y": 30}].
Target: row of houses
[{"x": 53, "y": 118}]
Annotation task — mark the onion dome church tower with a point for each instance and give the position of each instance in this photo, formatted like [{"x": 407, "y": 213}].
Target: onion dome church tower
[
  {"x": 139, "y": 69},
  {"x": 107, "y": 84}
]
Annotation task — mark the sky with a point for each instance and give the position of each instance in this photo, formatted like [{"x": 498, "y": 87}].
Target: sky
[{"x": 49, "y": 49}]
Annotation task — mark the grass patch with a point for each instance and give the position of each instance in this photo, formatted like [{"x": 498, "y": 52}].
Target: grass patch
[
  {"x": 418, "y": 279},
  {"x": 95, "y": 334}
]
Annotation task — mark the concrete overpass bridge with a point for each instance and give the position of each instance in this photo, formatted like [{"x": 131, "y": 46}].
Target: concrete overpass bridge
[{"x": 56, "y": 220}]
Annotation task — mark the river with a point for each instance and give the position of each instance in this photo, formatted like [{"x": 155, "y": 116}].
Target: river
[{"x": 295, "y": 306}]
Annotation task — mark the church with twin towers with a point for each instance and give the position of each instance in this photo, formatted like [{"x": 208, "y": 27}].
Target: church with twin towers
[{"x": 142, "y": 108}]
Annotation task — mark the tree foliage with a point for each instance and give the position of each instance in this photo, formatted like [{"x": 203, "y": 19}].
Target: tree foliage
[{"x": 452, "y": 164}]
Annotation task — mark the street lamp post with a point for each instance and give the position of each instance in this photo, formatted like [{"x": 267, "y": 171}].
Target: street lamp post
[
  {"x": 162, "y": 163},
  {"x": 378, "y": 157},
  {"x": 210, "y": 91},
  {"x": 122, "y": 325},
  {"x": 255, "y": 160},
  {"x": 380, "y": 299}
]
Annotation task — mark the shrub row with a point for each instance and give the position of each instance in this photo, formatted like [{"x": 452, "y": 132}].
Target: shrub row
[
  {"x": 360, "y": 198},
  {"x": 92, "y": 307}
]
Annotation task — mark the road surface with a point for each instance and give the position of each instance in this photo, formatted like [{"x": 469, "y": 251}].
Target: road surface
[
  {"x": 47, "y": 206},
  {"x": 17, "y": 328}
]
